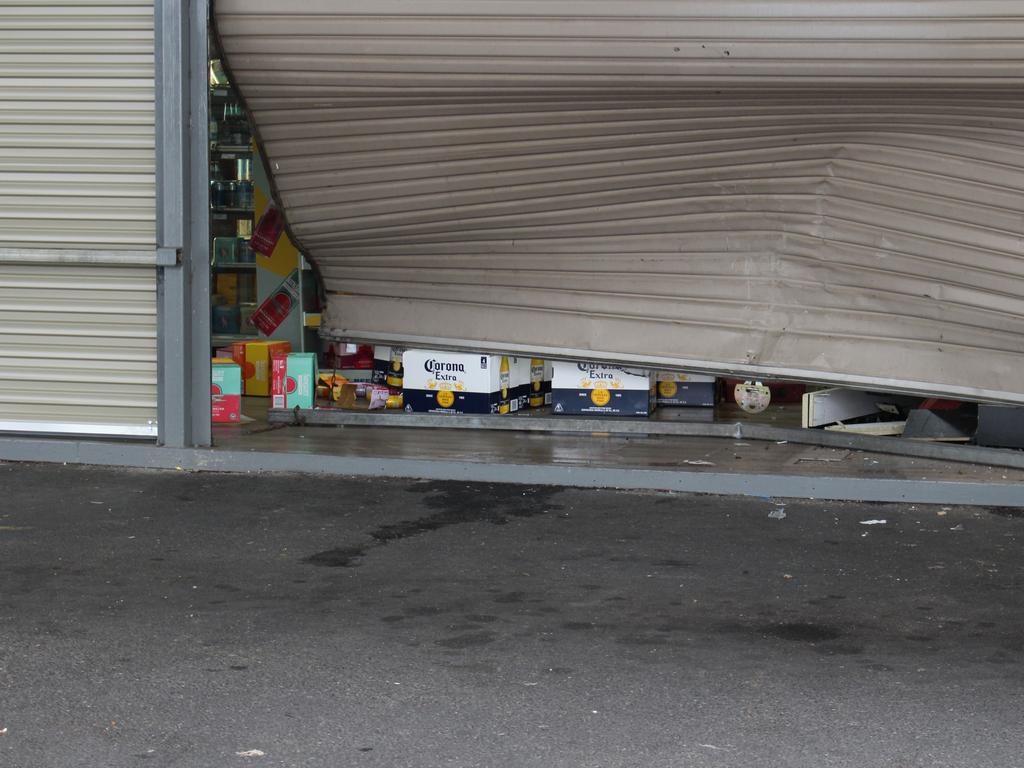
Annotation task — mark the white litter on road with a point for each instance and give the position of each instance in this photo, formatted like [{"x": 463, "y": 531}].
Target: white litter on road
[
  {"x": 699, "y": 463},
  {"x": 251, "y": 753},
  {"x": 873, "y": 522},
  {"x": 778, "y": 514}
]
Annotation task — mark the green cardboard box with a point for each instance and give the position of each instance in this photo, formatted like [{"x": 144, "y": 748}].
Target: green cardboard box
[
  {"x": 226, "y": 391},
  {"x": 293, "y": 383}
]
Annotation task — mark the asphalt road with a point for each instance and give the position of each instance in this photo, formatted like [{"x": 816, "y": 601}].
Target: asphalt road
[{"x": 172, "y": 619}]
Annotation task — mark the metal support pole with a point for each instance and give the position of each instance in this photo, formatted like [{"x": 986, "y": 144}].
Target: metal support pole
[{"x": 183, "y": 282}]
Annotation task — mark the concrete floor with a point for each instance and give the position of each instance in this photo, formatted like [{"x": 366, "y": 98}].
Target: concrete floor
[
  {"x": 654, "y": 452},
  {"x": 175, "y": 619}
]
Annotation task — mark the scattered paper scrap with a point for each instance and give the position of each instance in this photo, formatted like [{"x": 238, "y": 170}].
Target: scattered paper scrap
[
  {"x": 699, "y": 463},
  {"x": 957, "y": 527},
  {"x": 778, "y": 514},
  {"x": 873, "y": 522},
  {"x": 252, "y": 753},
  {"x": 3, "y": 731}
]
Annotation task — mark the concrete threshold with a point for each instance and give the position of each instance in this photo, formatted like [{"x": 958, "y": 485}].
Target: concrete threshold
[
  {"x": 603, "y": 473},
  {"x": 737, "y": 430}
]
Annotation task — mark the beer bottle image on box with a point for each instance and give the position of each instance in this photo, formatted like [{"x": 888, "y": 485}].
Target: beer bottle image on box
[
  {"x": 536, "y": 383},
  {"x": 505, "y": 383},
  {"x": 396, "y": 374}
]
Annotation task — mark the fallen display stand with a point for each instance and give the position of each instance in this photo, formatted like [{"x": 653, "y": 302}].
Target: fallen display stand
[{"x": 694, "y": 427}]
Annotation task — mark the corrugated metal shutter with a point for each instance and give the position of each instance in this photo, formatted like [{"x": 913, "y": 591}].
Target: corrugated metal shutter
[
  {"x": 77, "y": 217},
  {"x": 815, "y": 189},
  {"x": 78, "y": 349}
]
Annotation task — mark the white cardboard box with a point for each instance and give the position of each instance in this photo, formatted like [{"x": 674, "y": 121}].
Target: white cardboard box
[
  {"x": 458, "y": 382},
  {"x": 539, "y": 391},
  {"x": 685, "y": 389},
  {"x": 521, "y": 380},
  {"x": 601, "y": 390}
]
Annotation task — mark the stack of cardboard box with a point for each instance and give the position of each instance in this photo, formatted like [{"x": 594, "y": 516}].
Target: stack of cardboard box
[
  {"x": 261, "y": 369},
  {"x": 434, "y": 381}
]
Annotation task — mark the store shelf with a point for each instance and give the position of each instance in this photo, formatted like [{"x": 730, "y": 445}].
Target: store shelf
[
  {"x": 234, "y": 160},
  {"x": 231, "y": 210}
]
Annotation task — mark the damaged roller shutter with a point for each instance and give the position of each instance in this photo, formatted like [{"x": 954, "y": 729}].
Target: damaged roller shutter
[{"x": 828, "y": 191}]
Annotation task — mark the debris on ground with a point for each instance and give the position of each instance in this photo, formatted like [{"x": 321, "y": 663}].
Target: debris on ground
[
  {"x": 252, "y": 753},
  {"x": 873, "y": 522},
  {"x": 778, "y": 514}
]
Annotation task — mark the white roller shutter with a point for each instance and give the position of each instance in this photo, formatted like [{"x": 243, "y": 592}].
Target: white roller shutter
[
  {"x": 821, "y": 189},
  {"x": 77, "y": 217}
]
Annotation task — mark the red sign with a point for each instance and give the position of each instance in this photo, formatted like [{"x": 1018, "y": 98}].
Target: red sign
[
  {"x": 278, "y": 305},
  {"x": 268, "y": 231}
]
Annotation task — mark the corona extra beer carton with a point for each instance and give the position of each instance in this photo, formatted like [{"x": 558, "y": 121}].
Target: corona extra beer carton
[
  {"x": 388, "y": 366},
  {"x": 685, "y": 389},
  {"x": 593, "y": 389},
  {"x": 540, "y": 383},
  {"x": 452, "y": 382},
  {"x": 521, "y": 381}
]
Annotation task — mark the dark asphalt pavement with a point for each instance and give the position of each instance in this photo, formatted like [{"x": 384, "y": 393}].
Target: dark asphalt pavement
[{"x": 171, "y": 619}]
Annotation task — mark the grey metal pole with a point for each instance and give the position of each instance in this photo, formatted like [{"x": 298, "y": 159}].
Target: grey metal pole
[{"x": 183, "y": 223}]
